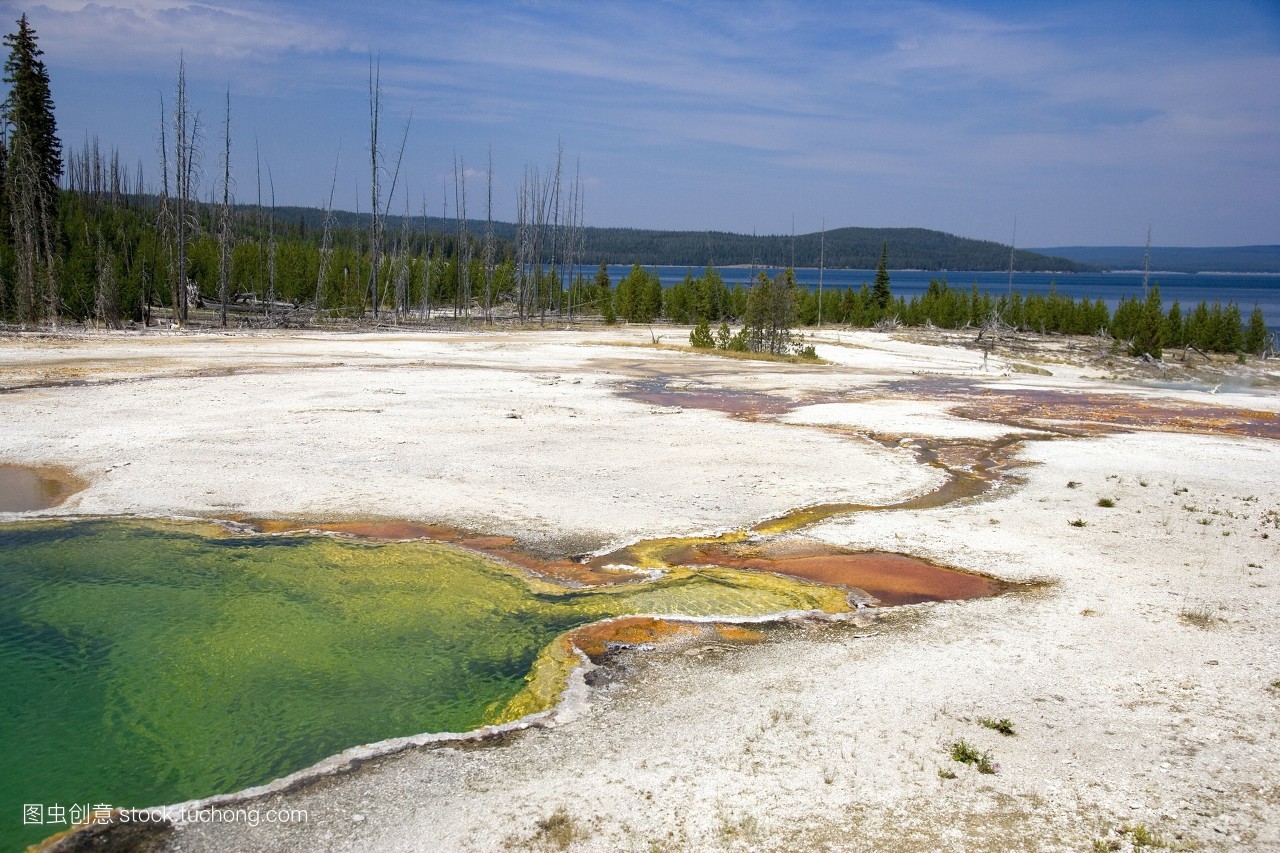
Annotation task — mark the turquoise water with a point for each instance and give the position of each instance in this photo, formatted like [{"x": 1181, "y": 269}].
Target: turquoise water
[{"x": 150, "y": 663}]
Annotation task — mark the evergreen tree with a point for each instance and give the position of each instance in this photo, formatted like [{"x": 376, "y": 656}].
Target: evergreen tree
[
  {"x": 701, "y": 337},
  {"x": 32, "y": 169},
  {"x": 771, "y": 312},
  {"x": 29, "y": 107},
  {"x": 880, "y": 291},
  {"x": 1255, "y": 339},
  {"x": 1147, "y": 330},
  {"x": 602, "y": 283}
]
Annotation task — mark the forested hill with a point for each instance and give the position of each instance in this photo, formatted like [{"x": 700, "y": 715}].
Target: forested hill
[
  {"x": 1237, "y": 259},
  {"x": 847, "y": 248}
]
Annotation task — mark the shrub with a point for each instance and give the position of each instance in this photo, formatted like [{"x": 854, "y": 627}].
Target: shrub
[
  {"x": 700, "y": 337},
  {"x": 1002, "y": 725}
]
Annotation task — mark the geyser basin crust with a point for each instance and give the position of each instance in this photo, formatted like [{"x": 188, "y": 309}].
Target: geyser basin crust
[{"x": 1128, "y": 714}]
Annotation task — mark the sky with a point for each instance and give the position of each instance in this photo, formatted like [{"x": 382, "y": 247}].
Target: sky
[{"x": 1051, "y": 124}]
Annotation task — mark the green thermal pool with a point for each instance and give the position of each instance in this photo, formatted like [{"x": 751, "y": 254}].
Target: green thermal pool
[{"x": 148, "y": 663}]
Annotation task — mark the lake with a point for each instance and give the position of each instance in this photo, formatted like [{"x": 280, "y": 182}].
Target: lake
[{"x": 1244, "y": 290}]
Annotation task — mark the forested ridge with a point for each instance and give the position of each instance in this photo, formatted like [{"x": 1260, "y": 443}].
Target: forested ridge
[{"x": 839, "y": 248}]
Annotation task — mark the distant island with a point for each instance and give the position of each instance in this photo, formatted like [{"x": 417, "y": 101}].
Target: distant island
[{"x": 1184, "y": 259}]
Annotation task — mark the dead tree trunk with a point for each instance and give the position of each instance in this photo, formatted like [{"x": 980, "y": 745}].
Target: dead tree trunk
[
  {"x": 375, "y": 185},
  {"x": 186, "y": 129},
  {"x": 224, "y": 217},
  {"x": 488, "y": 247},
  {"x": 326, "y": 243}
]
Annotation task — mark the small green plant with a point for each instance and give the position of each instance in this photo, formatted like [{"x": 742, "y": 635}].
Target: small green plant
[
  {"x": 1191, "y": 507},
  {"x": 1088, "y": 611},
  {"x": 1106, "y": 502},
  {"x": 1181, "y": 490},
  {"x": 1105, "y": 845},
  {"x": 1079, "y": 522},
  {"x": 964, "y": 753},
  {"x": 943, "y": 773},
  {"x": 1206, "y": 521},
  {"x": 1143, "y": 483},
  {"x": 1073, "y": 484},
  {"x": 1275, "y": 685},
  {"x": 1002, "y": 725}
]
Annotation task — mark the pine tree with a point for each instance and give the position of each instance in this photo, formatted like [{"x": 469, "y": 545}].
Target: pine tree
[
  {"x": 32, "y": 169},
  {"x": 1255, "y": 339},
  {"x": 1147, "y": 326},
  {"x": 880, "y": 292},
  {"x": 29, "y": 107}
]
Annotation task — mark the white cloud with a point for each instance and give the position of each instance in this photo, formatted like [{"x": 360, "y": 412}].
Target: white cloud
[{"x": 121, "y": 34}]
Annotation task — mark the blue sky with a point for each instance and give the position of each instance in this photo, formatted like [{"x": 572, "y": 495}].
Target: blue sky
[{"x": 1087, "y": 122}]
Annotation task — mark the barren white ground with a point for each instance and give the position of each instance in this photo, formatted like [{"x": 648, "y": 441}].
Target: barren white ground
[{"x": 1140, "y": 676}]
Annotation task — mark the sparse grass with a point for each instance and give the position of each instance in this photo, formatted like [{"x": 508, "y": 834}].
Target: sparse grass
[
  {"x": 1206, "y": 521},
  {"x": 1141, "y": 836},
  {"x": 943, "y": 773},
  {"x": 1088, "y": 611},
  {"x": 1181, "y": 490},
  {"x": 1073, "y": 484},
  {"x": 1079, "y": 522},
  {"x": 1201, "y": 615},
  {"x": 558, "y": 829},
  {"x": 1003, "y": 725},
  {"x": 746, "y": 828},
  {"x": 1191, "y": 507},
  {"x": 1106, "y": 502}
]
